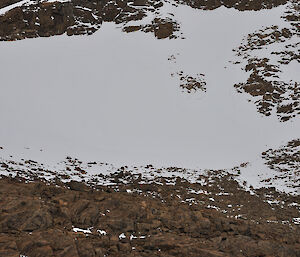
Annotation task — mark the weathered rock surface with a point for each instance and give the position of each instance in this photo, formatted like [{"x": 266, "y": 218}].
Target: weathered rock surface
[{"x": 41, "y": 220}]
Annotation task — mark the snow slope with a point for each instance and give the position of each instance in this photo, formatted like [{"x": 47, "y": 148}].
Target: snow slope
[{"x": 111, "y": 97}]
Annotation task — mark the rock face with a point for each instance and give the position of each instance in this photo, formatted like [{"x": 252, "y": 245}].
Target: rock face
[
  {"x": 77, "y": 17},
  {"x": 5, "y": 3},
  {"x": 49, "y": 220}
]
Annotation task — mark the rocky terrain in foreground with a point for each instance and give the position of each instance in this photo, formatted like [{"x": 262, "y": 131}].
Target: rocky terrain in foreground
[{"x": 136, "y": 219}]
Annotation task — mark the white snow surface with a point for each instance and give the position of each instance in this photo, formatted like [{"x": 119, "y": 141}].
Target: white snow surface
[
  {"x": 110, "y": 97},
  {"x": 85, "y": 231},
  {"x": 102, "y": 232}
]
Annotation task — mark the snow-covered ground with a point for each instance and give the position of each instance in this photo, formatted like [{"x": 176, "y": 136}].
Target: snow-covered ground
[{"x": 110, "y": 96}]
